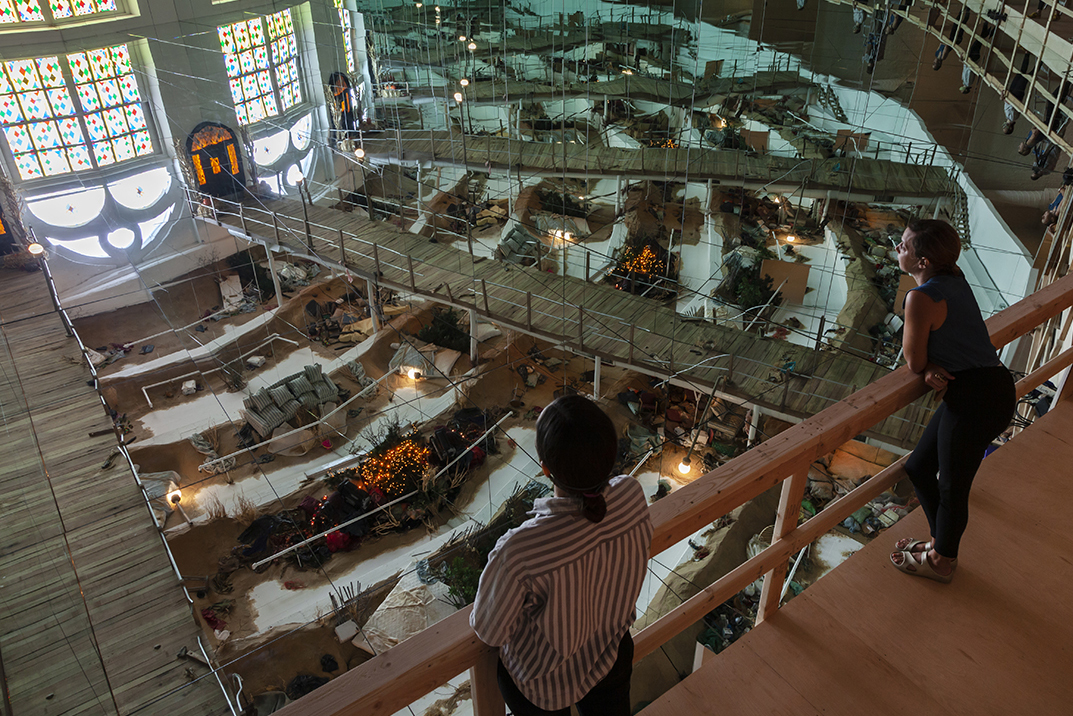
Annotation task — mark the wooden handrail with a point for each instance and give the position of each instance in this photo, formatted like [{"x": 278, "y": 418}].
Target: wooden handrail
[{"x": 394, "y": 679}]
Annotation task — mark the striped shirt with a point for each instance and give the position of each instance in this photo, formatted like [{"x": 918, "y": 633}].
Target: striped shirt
[{"x": 559, "y": 593}]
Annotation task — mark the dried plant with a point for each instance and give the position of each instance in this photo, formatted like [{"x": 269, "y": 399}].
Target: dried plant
[
  {"x": 246, "y": 511},
  {"x": 214, "y": 508}
]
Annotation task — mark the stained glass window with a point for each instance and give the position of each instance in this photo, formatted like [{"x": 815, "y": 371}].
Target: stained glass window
[
  {"x": 348, "y": 34},
  {"x": 51, "y": 130},
  {"x": 53, "y": 10},
  {"x": 262, "y": 66}
]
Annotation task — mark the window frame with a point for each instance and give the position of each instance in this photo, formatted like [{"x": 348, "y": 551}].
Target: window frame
[
  {"x": 272, "y": 70},
  {"x": 80, "y": 116},
  {"x": 124, "y": 9}
]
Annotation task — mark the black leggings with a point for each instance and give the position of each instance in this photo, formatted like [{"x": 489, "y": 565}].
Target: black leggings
[
  {"x": 610, "y": 696},
  {"x": 978, "y": 405}
]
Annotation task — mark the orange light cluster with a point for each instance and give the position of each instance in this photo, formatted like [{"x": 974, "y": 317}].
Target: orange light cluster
[
  {"x": 391, "y": 471},
  {"x": 645, "y": 262},
  {"x": 210, "y": 136}
]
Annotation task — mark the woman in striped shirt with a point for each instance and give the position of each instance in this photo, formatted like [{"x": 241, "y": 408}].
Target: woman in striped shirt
[{"x": 558, "y": 594}]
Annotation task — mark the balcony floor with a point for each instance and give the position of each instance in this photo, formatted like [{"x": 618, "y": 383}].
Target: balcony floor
[{"x": 869, "y": 639}]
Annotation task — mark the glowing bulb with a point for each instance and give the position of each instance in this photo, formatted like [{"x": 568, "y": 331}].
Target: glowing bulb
[
  {"x": 464, "y": 82},
  {"x": 413, "y": 374},
  {"x": 35, "y": 249},
  {"x": 175, "y": 496},
  {"x": 791, "y": 238},
  {"x": 299, "y": 177},
  {"x": 359, "y": 153},
  {"x": 683, "y": 467},
  {"x": 458, "y": 96},
  {"x": 472, "y": 46},
  {"x": 418, "y": 5},
  {"x": 461, "y": 38}
]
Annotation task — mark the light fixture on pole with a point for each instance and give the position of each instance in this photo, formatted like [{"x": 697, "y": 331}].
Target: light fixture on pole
[
  {"x": 299, "y": 180},
  {"x": 684, "y": 467},
  {"x": 36, "y": 249},
  {"x": 464, "y": 82},
  {"x": 471, "y": 46}
]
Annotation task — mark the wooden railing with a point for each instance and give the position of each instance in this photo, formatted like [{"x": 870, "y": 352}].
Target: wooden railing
[{"x": 399, "y": 676}]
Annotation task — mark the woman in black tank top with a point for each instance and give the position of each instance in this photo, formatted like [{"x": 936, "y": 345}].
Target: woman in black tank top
[{"x": 944, "y": 340}]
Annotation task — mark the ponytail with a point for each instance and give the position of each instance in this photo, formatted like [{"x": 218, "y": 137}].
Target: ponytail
[{"x": 594, "y": 507}]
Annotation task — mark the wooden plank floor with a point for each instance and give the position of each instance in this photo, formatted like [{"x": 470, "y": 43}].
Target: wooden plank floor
[
  {"x": 91, "y": 613},
  {"x": 869, "y": 639},
  {"x": 663, "y": 343}
]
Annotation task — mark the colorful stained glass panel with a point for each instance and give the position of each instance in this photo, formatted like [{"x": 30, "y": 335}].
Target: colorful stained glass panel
[
  {"x": 115, "y": 121},
  {"x": 240, "y": 114},
  {"x": 29, "y": 10},
  {"x": 54, "y": 162},
  {"x": 45, "y": 135},
  {"x": 34, "y": 106},
  {"x": 101, "y": 62},
  {"x": 9, "y": 109},
  {"x": 142, "y": 144},
  {"x": 23, "y": 75},
  {"x": 61, "y": 8},
  {"x": 227, "y": 39},
  {"x": 80, "y": 67},
  {"x": 62, "y": 105},
  {"x": 121, "y": 59},
  {"x": 231, "y": 63},
  {"x": 18, "y": 138},
  {"x": 271, "y": 109},
  {"x": 124, "y": 148},
  {"x": 236, "y": 91},
  {"x": 102, "y": 152},
  {"x": 87, "y": 97},
  {"x": 128, "y": 88},
  {"x": 242, "y": 36},
  {"x": 260, "y": 57},
  {"x": 49, "y": 70},
  {"x": 245, "y": 61},
  {"x": 249, "y": 86},
  {"x": 264, "y": 82},
  {"x": 5, "y": 85},
  {"x": 96, "y": 127},
  {"x": 79, "y": 158},
  {"x": 257, "y": 33},
  {"x": 109, "y": 91},
  {"x": 135, "y": 117},
  {"x": 71, "y": 132},
  {"x": 29, "y": 167}
]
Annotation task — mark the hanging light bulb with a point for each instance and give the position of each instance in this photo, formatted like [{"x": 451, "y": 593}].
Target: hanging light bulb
[
  {"x": 359, "y": 153},
  {"x": 175, "y": 496},
  {"x": 472, "y": 46},
  {"x": 791, "y": 238},
  {"x": 464, "y": 82},
  {"x": 35, "y": 249},
  {"x": 458, "y": 96},
  {"x": 461, "y": 38},
  {"x": 684, "y": 467}
]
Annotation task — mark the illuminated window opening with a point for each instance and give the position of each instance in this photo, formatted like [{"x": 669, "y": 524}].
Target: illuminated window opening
[
  {"x": 262, "y": 69},
  {"x": 348, "y": 34},
  {"x": 52, "y": 12},
  {"x": 50, "y": 134}
]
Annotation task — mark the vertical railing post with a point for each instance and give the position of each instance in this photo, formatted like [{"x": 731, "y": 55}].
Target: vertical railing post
[
  {"x": 374, "y": 301},
  {"x": 342, "y": 250},
  {"x": 484, "y": 291},
  {"x": 581, "y": 327},
  {"x": 529, "y": 309},
  {"x": 242, "y": 219},
  {"x": 413, "y": 283},
  {"x": 819, "y": 332},
  {"x": 275, "y": 227},
  {"x": 484, "y": 685},
  {"x": 793, "y": 491},
  {"x": 631, "y": 343},
  {"x": 376, "y": 261}
]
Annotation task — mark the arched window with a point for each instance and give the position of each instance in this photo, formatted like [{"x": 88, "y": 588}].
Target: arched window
[{"x": 215, "y": 157}]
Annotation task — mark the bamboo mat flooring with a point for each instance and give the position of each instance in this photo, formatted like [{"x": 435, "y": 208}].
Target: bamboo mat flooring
[
  {"x": 91, "y": 613},
  {"x": 618, "y": 326},
  {"x": 869, "y": 639},
  {"x": 873, "y": 177}
]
